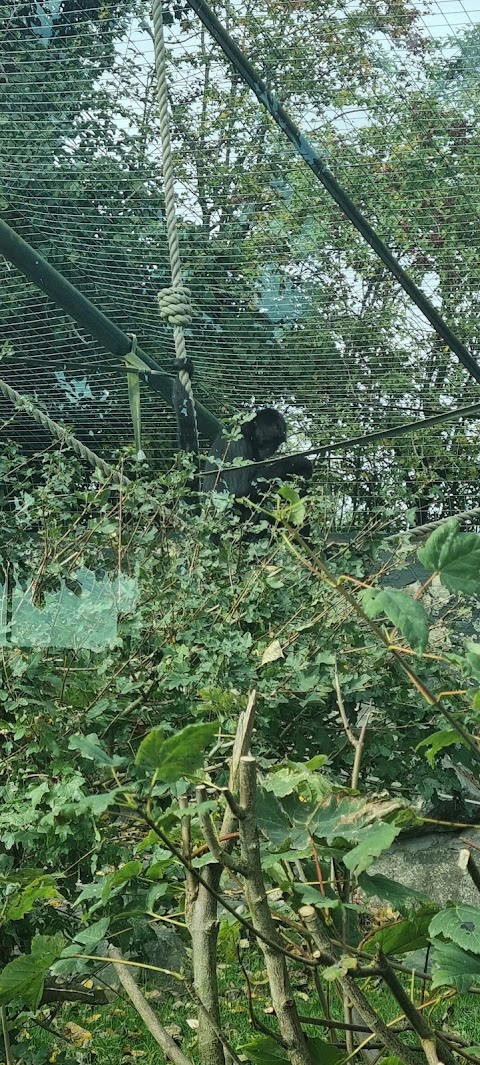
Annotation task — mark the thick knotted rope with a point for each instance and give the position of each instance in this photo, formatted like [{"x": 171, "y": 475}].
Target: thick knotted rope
[
  {"x": 174, "y": 302},
  {"x": 175, "y": 306},
  {"x": 60, "y": 433}
]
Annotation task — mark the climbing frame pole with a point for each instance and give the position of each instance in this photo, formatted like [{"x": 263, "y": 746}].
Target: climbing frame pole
[{"x": 50, "y": 281}]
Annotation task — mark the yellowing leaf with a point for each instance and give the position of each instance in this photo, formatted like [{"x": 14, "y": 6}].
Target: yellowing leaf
[
  {"x": 79, "y": 1036},
  {"x": 272, "y": 653}
]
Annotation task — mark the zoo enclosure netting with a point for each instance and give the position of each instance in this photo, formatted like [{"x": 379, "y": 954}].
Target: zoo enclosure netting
[{"x": 291, "y": 306}]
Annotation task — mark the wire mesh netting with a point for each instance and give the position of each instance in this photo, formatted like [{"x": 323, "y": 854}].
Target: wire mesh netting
[{"x": 290, "y": 305}]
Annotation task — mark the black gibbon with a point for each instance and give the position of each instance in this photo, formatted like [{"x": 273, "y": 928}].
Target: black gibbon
[{"x": 259, "y": 440}]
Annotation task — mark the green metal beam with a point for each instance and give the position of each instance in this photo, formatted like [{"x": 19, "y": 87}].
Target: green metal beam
[
  {"x": 45, "y": 277},
  {"x": 314, "y": 160}
]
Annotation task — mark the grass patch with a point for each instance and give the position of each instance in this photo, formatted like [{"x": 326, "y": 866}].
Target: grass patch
[{"x": 115, "y": 1035}]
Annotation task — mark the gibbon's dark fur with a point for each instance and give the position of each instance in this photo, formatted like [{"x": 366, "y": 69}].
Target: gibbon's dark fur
[{"x": 260, "y": 438}]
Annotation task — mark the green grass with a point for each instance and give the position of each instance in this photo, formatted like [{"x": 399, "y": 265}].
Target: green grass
[{"x": 118, "y": 1036}]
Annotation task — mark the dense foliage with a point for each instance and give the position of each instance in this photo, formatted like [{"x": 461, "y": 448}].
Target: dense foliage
[{"x": 94, "y": 738}]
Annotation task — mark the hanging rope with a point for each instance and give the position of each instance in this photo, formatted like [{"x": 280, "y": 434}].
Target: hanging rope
[
  {"x": 60, "y": 433},
  {"x": 174, "y": 302}
]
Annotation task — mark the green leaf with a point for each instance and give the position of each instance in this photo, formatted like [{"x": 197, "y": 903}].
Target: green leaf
[
  {"x": 91, "y": 748},
  {"x": 311, "y": 896},
  {"x": 473, "y": 658},
  {"x": 398, "y": 895},
  {"x": 22, "y": 902},
  {"x": 290, "y": 777},
  {"x": 437, "y": 741},
  {"x": 454, "y": 967},
  {"x": 323, "y": 1053},
  {"x": 118, "y": 879},
  {"x": 340, "y": 969},
  {"x": 23, "y": 978},
  {"x": 374, "y": 840},
  {"x": 348, "y": 816},
  {"x": 459, "y": 923},
  {"x": 271, "y": 818},
  {"x": 403, "y": 936},
  {"x": 24, "y": 875},
  {"x": 440, "y": 546},
  {"x": 407, "y": 614},
  {"x": 265, "y": 1050},
  {"x": 179, "y": 756},
  {"x": 91, "y": 936},
  {"x": 455, "y": 555},
  {"x": 295, "y": 513}
]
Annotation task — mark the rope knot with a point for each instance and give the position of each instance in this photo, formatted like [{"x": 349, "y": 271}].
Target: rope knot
[{"x": 175, "y": 305}]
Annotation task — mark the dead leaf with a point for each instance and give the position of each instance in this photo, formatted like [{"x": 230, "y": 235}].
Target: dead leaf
[
  {"x": 78, "y": 1035},
  {"x": 272, "y": 653}
]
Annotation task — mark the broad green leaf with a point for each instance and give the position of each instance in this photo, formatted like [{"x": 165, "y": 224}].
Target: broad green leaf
[
  {"x": 437, "y": 741},
  {"x": 178, "y": 756},
  {"x": 271, "y": 818},
  {"x": 295, "y": 513},
  {"x": 118, "y": 879},
  {"x": 265, "y": 1050},
  {"x": 374, "y": 840},
  {"x": 311, "y": 896},
  {"x": 403, "y": 936},
  {"x": 24, "y": 875},
  {"x": 22, "y": 902},
  {"x": 91, "y": 748},
  {"x": 90, "y": 936},
  {"x": 454, "y": 967},
  {"x": 455, "y": 555},
  {"x": 290, "y": 777},
  {"x": 347, "y": 816},
  {"x": 407, "y": 614},
  {"x": 97, "y": 804},
  {"x": 399, "y": 896},
  {"x": 460, "y": 923},
  {"x": 23, "y": 978},
  {"x": 323, "y": 1053},
  {"x": 440, "y": 546},
  {"x": 318, "y": 761}
]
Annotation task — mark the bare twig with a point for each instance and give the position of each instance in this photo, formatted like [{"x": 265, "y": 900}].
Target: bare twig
[
  {"x": 359, "y": 1000},
  {"x": 166, "y": 1043},
  {"x": 280, "y": 989},
  {"x": 211, "y": 1020},
  {"x": 6, "y": 1038},
  {"x": 434, "y": 1046},
  {"x": 357, "y": 744},
  {"x": 219, "y": 853}
]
